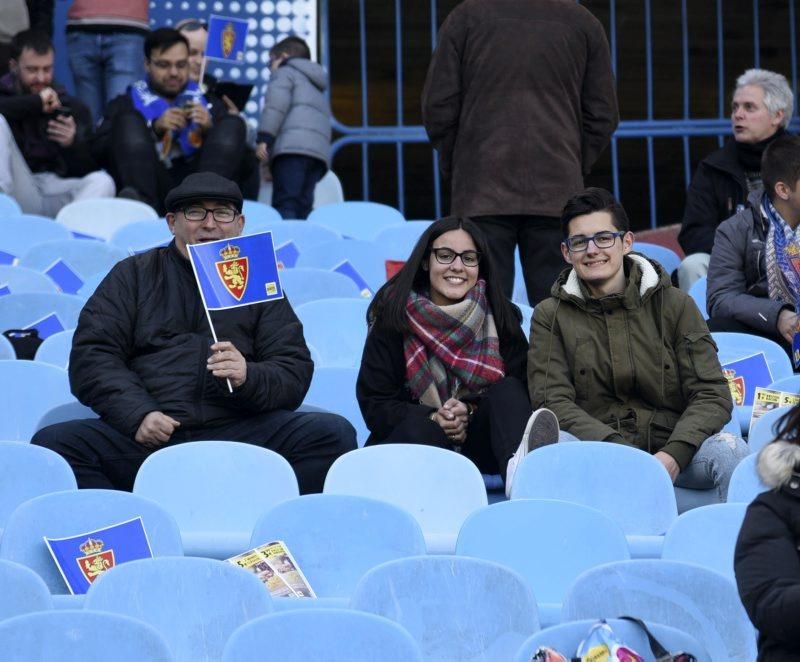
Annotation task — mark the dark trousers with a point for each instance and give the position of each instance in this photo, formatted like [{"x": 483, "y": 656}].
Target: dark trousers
[
  {"x": 539, "y": 239},
  {"x": 735, "y": 326},
  {"x": 294, "y": 177},
  {"x": 493, "y": 434},
  {"x": 102, "y": 457},
  {"x": 134, "y": 162}
]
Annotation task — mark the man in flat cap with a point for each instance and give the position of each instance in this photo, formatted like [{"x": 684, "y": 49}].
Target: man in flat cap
[{"x": 144, "y": 360}]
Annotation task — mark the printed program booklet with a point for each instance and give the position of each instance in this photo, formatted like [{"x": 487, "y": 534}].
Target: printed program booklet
[
  {"x": 766, "y": 400},
  {"x": 275, "y": 566}
]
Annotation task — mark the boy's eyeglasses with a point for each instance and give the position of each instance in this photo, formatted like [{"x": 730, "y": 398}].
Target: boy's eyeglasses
[
  {"x": 447, "y": 256},
  {"x": 220, "y": 214},
  {"x": 580, "y": 242}
]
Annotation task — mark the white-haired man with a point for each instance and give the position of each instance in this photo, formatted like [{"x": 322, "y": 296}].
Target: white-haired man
[{"x": 761, "y": 109}]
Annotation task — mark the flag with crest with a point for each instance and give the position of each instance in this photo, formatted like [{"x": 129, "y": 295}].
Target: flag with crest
[{"x": 226, "y": 38}]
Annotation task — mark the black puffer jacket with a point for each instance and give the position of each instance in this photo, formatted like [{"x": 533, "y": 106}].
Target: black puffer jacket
[{"x": 142, "y": 342}]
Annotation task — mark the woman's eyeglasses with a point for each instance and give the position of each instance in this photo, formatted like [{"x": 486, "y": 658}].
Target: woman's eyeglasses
[{"x": 447, "y": 256}]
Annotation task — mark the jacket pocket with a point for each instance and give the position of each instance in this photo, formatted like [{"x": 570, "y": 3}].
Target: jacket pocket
[
  {"x": 582, "y": 370},
  {"x": 702, "y": 352}
]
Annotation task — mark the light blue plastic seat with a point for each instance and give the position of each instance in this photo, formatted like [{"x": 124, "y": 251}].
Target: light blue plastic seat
[
  {"x": 698, "y": 292},
  {"x": 22, "y": 591},
  {"x": 627, "y": 484},
  {"x": 102, "y": 217},
  {"x": 456, "y": 608},
  {"x": 332, "y": 635},
  {"x": 706, "y": 536},
  {"x": 396, "y": 242},
  {"x": 7, "y": 351},
  {"x": 337, "y": 538},
  {"x": 303, "y": 285},
  {"x": 356, "y": 220},
  {"x": 765, "y": 429},
  {"x": 328, "y": 190},
  {"x": 78, "y": 635},
  {"x": 90, "y": 285},
  {"x": 788, "y": 384},
  {"x": 303, "y": 234},
  {"x": 439, "y": 487},
  {"x": 19, "y": 311},
  {"x": 366, "y": 257},
  {"x": 257, "y": 213},
  {"x": 20, "y": 233},
  {"x": 195, "y": 604},
  {"x": 141, "y": 235},
  {"x": 29, "y": 390},
  {"x": 55, "y": 349},
  {"x": 745, "y": 483},
  {"x": 8, "y": 207},
  {"x": 20, "y": 280},
  {"x": 337, "y": 328},
  {"x": 70, "y": 513},
  {"x": 693, "y": 599},
  {"x": 334, "y": 390},
  {"x": 61, "y": 413},
  {"x": 527, "y": 318},
  {"x": 566, "y": 637},
  {"x": 520, "y": 535},
  {"x": 666, "y": 257},
  {"x": 216, "y": 491},
  {"x": 85, "y": 258},
  {"x": 520, "y": 292}
]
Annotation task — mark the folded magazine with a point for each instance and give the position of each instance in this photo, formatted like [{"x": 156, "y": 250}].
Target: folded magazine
[{"x": 275, "y": 566}]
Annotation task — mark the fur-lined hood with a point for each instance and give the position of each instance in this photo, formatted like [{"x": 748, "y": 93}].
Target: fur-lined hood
[{"x": 777, "y": 462}]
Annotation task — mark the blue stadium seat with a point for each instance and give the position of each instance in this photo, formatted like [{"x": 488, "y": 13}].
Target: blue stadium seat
[
  {"x": 20, "y": 233},
  {"x": 301, "y": 233},
  {"x": 61, "y": 413},
  {"x": 337, "y": 328},
  {"x": 20, "y": 280},
  {"x": 257, "y": 213},
  {"x": 456, "y": 608},
  {"x": 365, "y": 256},
  {"x": 788, "y": 384},
  {"x": 439, "y": 487},
  {"x": 339, "y": 635},
  {"x": 693, "y": 599},
  {"x": 356, "y": 220},
  {"x": 706, "y": 536},
  {"x": 7, "y": 351},
  {"x": 527, "y": 318},
  {"x": 19, "y": 311},
  {"x": 517, "y": 534},
  {"x": 23, "y": 592},
  {"x": 195, "y": 604},
  {"x": 396, "y": 242},
  {"x": 69, "y": 513},
  {"x": 337, "y": 538},
  {"x": 566, "y": 637},
  {"x": 666, "y": 257},
  {"x": 303, "y": 285},
  {"x": 102, "y": 217},
  {"x": 90, "y": 285},
  {"x": 29, "y": 390},
  {"x": 334, "y": 390},
  {"x": 8, "y": 207},
  {"x": 328, "y": 190},
  {"x": 520, "y": 293},
  {"x": 85, "y": 258},
  {"x": 745, "y": 483},
  {"x": 141, "y": 235},
  {"x": 698, "y": 292},
  {"x": 79, "y": 635},
  {"x": 55, "y": 349},
  {"x": 216, "y": 491},
  {"x": 765, "y": 429},
  {"x": 627, "y": 484}
]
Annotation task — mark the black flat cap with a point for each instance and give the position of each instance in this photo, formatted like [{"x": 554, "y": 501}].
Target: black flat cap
[{"x": 204, "y": 186}]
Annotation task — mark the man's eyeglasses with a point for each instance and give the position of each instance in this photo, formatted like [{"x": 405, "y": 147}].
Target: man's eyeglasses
[
  {"x": 448, "y": 255},
  {"x": 580, "y": 242},
  {"x": 220, "y": 214}
]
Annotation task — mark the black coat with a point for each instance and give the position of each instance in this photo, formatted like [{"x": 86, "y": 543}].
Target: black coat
[
  {"x": 767, "y": 564},
  {"x": 142, "y": 342}
]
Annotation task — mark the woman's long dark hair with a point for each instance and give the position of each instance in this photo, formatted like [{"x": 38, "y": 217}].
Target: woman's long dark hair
[
  {"x": 789, "y": 425},
  {"x": 388, "y": 308}
]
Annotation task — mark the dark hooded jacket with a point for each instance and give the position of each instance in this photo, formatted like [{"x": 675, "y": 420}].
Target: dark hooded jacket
[
  {"x": 767, "y": 558},
  {"x": 638, "y": 368}
]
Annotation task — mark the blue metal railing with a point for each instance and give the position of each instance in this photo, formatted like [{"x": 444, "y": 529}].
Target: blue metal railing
[{"x": 649, "y": 128}]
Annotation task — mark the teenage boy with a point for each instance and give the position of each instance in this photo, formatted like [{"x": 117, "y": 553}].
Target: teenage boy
[{"x": 620, "y": 355}]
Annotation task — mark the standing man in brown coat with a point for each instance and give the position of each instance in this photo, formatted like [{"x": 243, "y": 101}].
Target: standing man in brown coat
[{"x": 520, "y": 102}]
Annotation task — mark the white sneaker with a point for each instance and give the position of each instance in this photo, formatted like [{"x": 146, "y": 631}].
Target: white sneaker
[{"x": 542, "y": 429}]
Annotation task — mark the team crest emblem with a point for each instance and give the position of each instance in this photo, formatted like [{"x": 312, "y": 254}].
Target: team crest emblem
[
  {"x": 736, "y": 385},
  {"x": 233, "y": 271},
  {"x": 95, "y": 561},
  {"x": 228, "y": 40}
]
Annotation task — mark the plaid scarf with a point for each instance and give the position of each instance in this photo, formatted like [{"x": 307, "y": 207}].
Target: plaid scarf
[
  {"x": 783, "y": 257},
  {"x": 453, "y": 349}
]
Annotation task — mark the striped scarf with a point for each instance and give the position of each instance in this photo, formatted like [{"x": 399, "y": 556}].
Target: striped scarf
[
  {"x": 451, "y": 350},
  {"x": 782, "y": 258}
]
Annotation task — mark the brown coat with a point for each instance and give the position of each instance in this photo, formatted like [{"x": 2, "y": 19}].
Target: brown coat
[{"x": 520, "y": 101}]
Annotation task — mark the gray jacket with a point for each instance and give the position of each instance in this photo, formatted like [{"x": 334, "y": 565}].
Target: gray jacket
[
  {"x": 737, "y": 273},
  {"x": 296, "y": 111}
]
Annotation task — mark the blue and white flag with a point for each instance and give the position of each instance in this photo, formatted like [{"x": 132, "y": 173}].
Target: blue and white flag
[
  {"x": 226, "y": 38},
  {"x": 236, "y": 272}
]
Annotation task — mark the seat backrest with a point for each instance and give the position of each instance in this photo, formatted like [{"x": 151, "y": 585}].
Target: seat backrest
[
  {"x": 21, "y": 311},
  {"x": 364, "y": 256},
  {"x": 566, "y": 637},
  {"x": 70, "y": 513},
  {"x": 28, "y": 471},
  {"x": 194, "y": 603},
  {"x": 456, "y": 608},
  {"x": 62, "y": 413},
  {"x": 666, "y": 257},
  {"x": 217, "y": 488},
  {"x": 85, "y": 258},
  {"x": 20, "y": 280},
  {"x": 79, "y": 635},
  {"x": 698, "y": 292},
  {"x": 7, "y": 351},
  {"x": 102, "y": 217},
  {"x": 518, "y": 534},
  {"x": 706, "y": 536},
  {"x": 29, "y": 389},
  {"x": 358, "y": 534},
  {"x": 20, "y": 233},
  {"x": 527, "y": 317},
  {"x": 304, "y": 235},
  {"x": 765, "y": 429},
  {"x": 732, "y": 346},
  {"x": 257, "y": 213},
  {"x": 55, "y": 349},
  {"x": 627, "y": 484},
  {"x": 141, "y": 235},
  {"x": 334, "y": 389},
  {"x": 698, "y": 601},
  {"x": 339, "y": 635},
  {"x": 8, "y": 206},
  {"x": 396, "y": 242},
  {"x": 356, "y": 220},
  {"x": 788, "y": 384},
  {"x": 328, "y": 190},
  {"x": 23, "y": 591},
  {"x": 303, "y": 285},
  {"x": 337, "y": 328},
  {"x": 439, "y": 487},
  {"x": 745, "y": 483}
]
